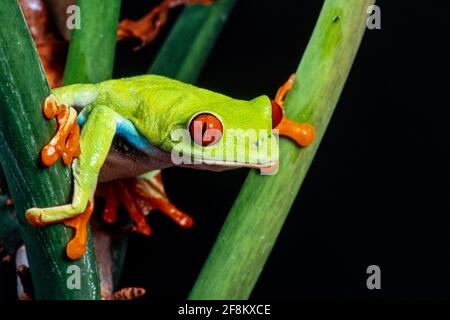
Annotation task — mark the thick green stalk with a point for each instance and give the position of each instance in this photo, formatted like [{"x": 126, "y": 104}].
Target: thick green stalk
[
  {"x": 23, "y": 132},
  {"x": 252, "y": 227},
  {"x": 92, "y": 47},
  {"x": 191, "y": 40},
  {"x": 91, "y": 59}
]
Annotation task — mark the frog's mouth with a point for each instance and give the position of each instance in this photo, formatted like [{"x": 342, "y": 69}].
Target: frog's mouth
[
  {"x": 220, "y": 162},
  {"x": 224, "y": 165},
  {"x": 234, "y": 148}
]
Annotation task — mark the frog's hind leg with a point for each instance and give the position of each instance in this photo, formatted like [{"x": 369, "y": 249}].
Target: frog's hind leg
[{"x": 95, "y": 141}]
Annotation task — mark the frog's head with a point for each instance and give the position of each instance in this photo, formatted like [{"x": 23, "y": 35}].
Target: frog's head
[{"x": 203, "y": 127}]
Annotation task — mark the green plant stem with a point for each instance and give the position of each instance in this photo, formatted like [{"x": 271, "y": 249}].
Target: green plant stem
[
  {"x": 257, "y": 216},
  {"x": 90, "y": 60},
  {"x": 92, "y": 47},
  {"x": 191, "y": 40},
  {"x": 23, "y": 132}
]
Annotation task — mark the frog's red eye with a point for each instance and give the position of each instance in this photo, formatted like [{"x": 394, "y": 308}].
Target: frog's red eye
[
  {"x": 277, "y": 114},
  {"x": 205, "y": 129}
]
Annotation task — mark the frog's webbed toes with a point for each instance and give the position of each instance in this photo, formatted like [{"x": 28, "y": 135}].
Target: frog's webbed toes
[
  {"x": 74, "y": 217},
  {"x": 65, "y": 143},
  {"x": 140, "y": 196},
  {"x": 302, "y": 133},
  {"x": 76, "y": 247},
  {"x": 150, "y": 190}
]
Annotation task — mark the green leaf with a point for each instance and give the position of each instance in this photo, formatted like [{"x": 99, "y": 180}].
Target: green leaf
[
  {"x": 91, "y": 60},
  {"x": 23, "y": 132},
  {"x": 92, "y": 47},
  {"x": 257, "y": 216}
]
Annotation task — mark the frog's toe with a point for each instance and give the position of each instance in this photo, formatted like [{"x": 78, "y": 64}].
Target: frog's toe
[
  {"x": 302, "y": 133},
  {"x": 65, "y": 143},
  {"x": 34, "y": 217},
  {"x": 76, "y": 247},
  {"x": 150, "y": 190}
]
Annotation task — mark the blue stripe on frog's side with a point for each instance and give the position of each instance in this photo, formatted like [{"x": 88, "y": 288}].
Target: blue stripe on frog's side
[{"x": 126, "y": 130}]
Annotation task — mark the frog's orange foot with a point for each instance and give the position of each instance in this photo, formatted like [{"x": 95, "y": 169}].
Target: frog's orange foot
[
  {"x": 148, "y": 27},
  {"x": 106, "y": 190},
  {"x": 76, "y": 247},
  {"x": 115, "y": 193},
  {"x": 302, "y": 133},
  {"x": 140, "y": 196},
  {"x": 151, "y": 195},
  {"x": 65, "y": 143}
]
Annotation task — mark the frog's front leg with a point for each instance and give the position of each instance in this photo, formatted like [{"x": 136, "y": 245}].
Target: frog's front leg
[
  {"x": 95, "y": 141},
  {"x": 302, "y": 133}
]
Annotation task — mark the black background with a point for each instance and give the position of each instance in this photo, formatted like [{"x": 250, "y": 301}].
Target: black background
[{"x": 378, "y": 190}]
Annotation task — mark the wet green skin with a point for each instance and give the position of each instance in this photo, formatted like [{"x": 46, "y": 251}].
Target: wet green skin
[{"x": 149, "y": 111}]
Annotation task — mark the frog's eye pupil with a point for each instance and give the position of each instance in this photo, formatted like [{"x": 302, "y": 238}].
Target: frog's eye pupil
[
  {"x": 277, "y": 114},
  {"x": 206, "y": 129}
]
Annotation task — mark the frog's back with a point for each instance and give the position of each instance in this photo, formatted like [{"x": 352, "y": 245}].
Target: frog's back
[{"x": 127, "y": 95}]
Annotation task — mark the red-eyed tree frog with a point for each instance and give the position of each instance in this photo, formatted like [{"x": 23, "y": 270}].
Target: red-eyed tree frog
[{"x": 162, "y": 118}]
